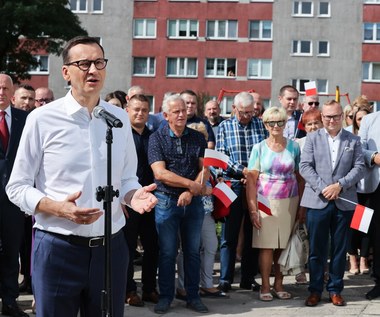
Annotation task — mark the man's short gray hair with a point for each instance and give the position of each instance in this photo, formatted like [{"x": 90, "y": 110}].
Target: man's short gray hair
[
  {"x": 243, "y": 99},
  {"x": 168, "y": 100}
]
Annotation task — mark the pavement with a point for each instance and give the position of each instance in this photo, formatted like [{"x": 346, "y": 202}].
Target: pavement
[{"x": 246, "y": 303}]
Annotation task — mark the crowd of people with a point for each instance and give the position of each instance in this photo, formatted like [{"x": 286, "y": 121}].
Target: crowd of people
[{"x": 309, "y": 162}]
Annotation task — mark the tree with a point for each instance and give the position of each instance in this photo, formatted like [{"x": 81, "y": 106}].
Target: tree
[{"x": 32, "y": 26}]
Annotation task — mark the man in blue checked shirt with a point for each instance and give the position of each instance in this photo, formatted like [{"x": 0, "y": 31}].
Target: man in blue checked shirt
[{"x": 236, "y": 137}]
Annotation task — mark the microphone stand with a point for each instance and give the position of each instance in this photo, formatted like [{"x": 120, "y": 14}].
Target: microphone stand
[{"x": 106, "y": 194}]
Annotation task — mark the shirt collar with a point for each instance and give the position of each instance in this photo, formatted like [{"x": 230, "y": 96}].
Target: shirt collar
[
  {"x": 335, "y": 137},
  {"x": 171, "y": 133},
  {"x": 72, "y": 106},
  {"x": 8, "y": 110}
]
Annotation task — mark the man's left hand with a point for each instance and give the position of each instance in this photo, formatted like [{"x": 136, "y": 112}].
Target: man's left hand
[{"x": 143, "y": 200}]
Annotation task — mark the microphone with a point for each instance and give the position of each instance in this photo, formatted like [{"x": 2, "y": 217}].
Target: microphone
[{"x": 100, "y": 113}]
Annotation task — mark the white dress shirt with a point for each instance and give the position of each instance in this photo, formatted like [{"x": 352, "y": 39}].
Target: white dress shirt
[
  {"x": 62, "y": 150},
  {"x": 334, "y": 143}
]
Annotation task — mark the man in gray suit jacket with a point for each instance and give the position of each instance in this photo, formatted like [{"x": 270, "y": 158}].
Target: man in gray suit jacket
[
  {"x": 331, "y": 164},
  {"x": 370, "y": 136}
]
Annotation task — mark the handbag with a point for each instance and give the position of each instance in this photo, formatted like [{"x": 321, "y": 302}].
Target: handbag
[{"x": 294, "y": 257}]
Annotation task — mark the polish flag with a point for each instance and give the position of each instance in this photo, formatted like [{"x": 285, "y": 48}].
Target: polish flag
[
  {"x": 224, "y": 193},
  {"x": 361, "y": 218},
  {"x": 216, "y": 159},
  {"x": 310, "y": 88},
  {"x": 263, "y": 204}
]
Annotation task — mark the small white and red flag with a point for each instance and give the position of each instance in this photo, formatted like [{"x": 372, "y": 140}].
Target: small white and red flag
[
  {"x": 216, "y": 159},
  {"x": 310, "y": 88},
  {"x": 263, "y": 204},
  {"x": 361, "y": 218},
  {"x": 224, "y": 193}
]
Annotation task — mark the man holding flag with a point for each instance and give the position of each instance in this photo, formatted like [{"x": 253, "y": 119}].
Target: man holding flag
[
  {"x": 236, "y": 137},
  {"x": 175, "y": 154},
  {"x": 331, "y": 164}
]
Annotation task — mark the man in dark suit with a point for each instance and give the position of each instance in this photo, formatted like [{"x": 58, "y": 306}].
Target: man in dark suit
[
  {"x": 331, "y": 163},
  {"x": 288, "y": 98},
  {"x": 12, "y": 122}
]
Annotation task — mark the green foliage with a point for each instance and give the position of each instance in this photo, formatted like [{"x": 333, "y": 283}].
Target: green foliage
[{"x": 33, "y": 26}]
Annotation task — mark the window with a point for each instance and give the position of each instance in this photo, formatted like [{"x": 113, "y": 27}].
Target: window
[
  {"x": 371, "y": 71},
  {"x": 303, "y": 48},
  {"x": 144, "y": 66},
  {"x": 300, "y": 84},
  {"x": 303, "y": 8},
  {"x": 226, "y": 105},
  {"x": 43, "y": 68},
  {"x": 260, "y": 30},
  {"x": 144, "y": 28},
  {"x": 220, "y": 67},
  {"x": 322, "y": 86},
  {"x": 371, "y": 32},
  {"x": 225, "y": 29},
  {"x": 182, "y": 28},
  {"x": 97, "y": 6},
  {"x": 323, "y": 48},
  {"x": 324, "y": 9},
  {"x": 78, "y": 5},
  {"x": 260, "y": 68},
  {"x": 181, "y": 67}
]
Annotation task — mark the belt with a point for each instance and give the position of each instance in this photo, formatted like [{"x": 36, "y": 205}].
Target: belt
[
  {"x": 91, "y": 242},
  {"x": 168, "y": 194}
]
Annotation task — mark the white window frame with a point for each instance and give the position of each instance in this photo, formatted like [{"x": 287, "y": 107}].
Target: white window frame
[
  {"x": 298, "y": 7},
  {"x": 218, "y": 61},
  {"x": 149, "y": 61},
  {"x": 145, "y": 29},
  {"x": 261, "y": 30},
  {"x": 226, "y": 106},
  {"x": 37, "y": 70},
  {"x": 370, "y": 66},
  {"x": 184, "y": 61},
  {"x": 216, "y": 35},
  {"x": 372, "y": 1},
  {"x": 374, "y": 32},
  {"x": 328, "y": 49},
  {"x": 101, "y": 7},
  {"x": 77, "y": 6},
  {"x": 260, "y": 64},
  {"x": 324, "y": 15},
  {"x": 298, "y": 49},
  {"x": 177, "y": 31}
]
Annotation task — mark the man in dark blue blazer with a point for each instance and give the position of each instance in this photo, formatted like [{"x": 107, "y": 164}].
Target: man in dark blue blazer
[
  {"x": 331, "y": 163},
  {"x": 11, "y": 218}
]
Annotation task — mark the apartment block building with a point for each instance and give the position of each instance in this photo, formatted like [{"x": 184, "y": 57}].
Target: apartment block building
[{"x": 209, "y": 45}]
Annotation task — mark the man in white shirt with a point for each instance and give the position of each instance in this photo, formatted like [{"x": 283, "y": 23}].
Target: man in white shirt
[{"x": 62, "y": 159}]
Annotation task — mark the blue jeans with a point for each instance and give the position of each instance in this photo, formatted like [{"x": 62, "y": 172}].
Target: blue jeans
[
  {"x": 229, "y": 238},
  {"x": 320, "y": 224},
  {"x": 188, "y": 220}
]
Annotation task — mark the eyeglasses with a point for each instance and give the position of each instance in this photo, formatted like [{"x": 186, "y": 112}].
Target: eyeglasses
[
  {"x": 178, "y": 144},
  {"x": 316, "y": 103},
  {"x": 273, "y": 123},
  {"x": 245, "y": 114},
  {"x": 336, "y": 117},
  {"x": 351, "y": 116},
  {"x": 44, "y": 100},
  {"x": 85, "y": 64}
]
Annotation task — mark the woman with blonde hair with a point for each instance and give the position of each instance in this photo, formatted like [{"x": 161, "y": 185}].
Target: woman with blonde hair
[{"x": 273, "y": 174}]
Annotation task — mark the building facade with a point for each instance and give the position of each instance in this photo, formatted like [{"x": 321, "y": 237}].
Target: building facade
[{"x": 209, "y": 45}]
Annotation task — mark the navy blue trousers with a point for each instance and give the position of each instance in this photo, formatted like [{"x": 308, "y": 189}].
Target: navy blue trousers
[{"x": 68, "y": 278}]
